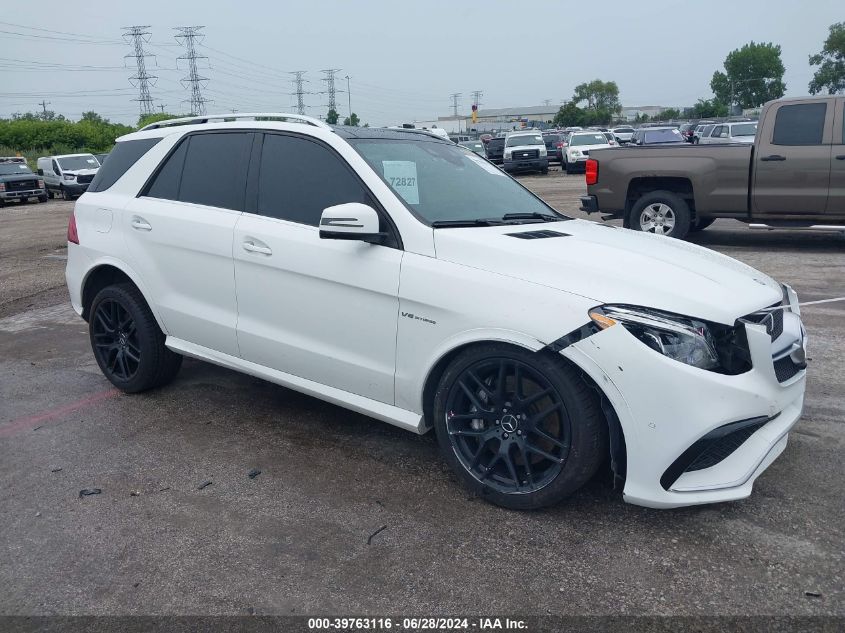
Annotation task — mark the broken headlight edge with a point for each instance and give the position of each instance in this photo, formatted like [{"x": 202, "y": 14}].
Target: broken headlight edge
[{"x": 683, "y": 339}]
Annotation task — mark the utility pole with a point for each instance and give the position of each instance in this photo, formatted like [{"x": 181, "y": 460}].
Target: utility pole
[
  {"x": 136, "y": 36},
  {"x": 454, "y": 97},
  {"x": 476, "y": 98},
  {"x": 161, "y": 107},
  {"x": 348, "y": 96},
  {"x": 330, "y": 89},
  {"x": 547, "y": 102},
  {"x": 298, "y": 82},
  {"x": 44, "y": 105},
  {"x": 187, "y": 37}
]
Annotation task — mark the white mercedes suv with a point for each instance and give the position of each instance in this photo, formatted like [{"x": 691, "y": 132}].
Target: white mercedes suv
[{"x": 404, "y": 277}]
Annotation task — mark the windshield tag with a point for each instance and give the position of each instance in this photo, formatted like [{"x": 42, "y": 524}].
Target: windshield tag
[{"x": 402, "y": 176}]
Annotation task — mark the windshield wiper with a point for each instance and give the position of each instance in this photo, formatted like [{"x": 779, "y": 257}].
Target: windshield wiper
[
  {"x": 440, "y": 224},
  {"x": 545, "y": 217}
]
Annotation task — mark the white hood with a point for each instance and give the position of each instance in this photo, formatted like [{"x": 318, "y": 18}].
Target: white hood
[
  {"x": 613, "y": 265},
  {"x": 81, "y": 172}
]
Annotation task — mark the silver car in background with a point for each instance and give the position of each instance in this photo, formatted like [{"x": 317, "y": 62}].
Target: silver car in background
[{"x": 741, "y": 132}]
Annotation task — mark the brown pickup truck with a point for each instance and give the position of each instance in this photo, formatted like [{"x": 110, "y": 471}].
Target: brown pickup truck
[{"x": 793, "y": 176}]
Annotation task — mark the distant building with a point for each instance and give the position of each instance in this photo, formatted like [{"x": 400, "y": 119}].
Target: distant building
[{"x": 631, "y": 113}]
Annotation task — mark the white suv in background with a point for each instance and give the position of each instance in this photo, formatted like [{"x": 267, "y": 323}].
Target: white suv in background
[
  {"x": 578, "y": 148},
  {"x": 404, "y": 277}
]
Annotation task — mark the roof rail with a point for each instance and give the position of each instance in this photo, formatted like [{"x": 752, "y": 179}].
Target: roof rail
[{"x": 229, "y": 116}]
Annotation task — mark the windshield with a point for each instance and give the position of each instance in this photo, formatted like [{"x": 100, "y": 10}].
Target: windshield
[
  {"x": 13, "y": 168},
  {"x": 524, "y": 139},
  {"x": 663, "y": 136},
  {"x": 440, "y": 182},
  {"x": 744, "y": 129},
  {"x": 72, "y": 163},
  {"x": 476, "y": 146},
  {"x": 624, "y": 130},
  {"x": 588, "y": 139}
]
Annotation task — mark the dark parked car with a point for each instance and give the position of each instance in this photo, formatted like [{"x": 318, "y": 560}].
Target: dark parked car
[
  {"x": 687, "y": 130},
  {"x": 657, "y": 136},
  {"x": 496, "y": 150},
  {"x": 553, "y": 142},
  {"x": 17, "y": 182}
]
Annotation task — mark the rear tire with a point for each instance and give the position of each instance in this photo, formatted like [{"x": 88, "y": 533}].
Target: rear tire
[
  {"x": 127, "y": 342},
  {"x": 661, "y": 213},
  {"x": 520, "y": 429}
]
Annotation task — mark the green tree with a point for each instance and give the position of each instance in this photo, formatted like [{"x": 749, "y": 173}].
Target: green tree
[
  {"x": 669, "y": 114},
  {"x": 352, "y": 120},
  {"x": 753, "y": 75},
  {"x": 601, "y": 96},
  {"x": 332, "y": 117},
  {"x": 146, "y": 119},
  {"x": 569, "y": 115},
  {"x": 831, "y": 62},
  {"x": 708, "y": 109}
]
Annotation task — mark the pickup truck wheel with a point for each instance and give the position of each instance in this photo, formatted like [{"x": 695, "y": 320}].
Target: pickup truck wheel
[
  {"x": 50, "y": 194},
  {"x": 661, "y": 213},
  {"x": 700, "y": 225},
  {"x": 519, "y": 429}
]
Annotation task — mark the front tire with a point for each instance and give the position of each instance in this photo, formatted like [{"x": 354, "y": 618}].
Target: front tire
[
  {"x": 66, "y": 194},
  {"x": 661, "y": 213},
  {"x": 42, "y": 198},
  {"x": 520, "y": 429},
  {"x": 127, "y": 342},
  {"x": 701, "y": 224}
]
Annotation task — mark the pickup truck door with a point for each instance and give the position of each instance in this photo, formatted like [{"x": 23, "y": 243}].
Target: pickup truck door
[
  {"x": 836, "y": 198},
  {"x": 792, "y": 159}
]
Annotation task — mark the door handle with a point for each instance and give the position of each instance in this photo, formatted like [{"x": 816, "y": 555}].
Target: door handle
[
  {"x": 252, "y": 247},
  {"x": 141, "y": 225},
  {"x": 840, "y": 157},
  {"x": 773, "y": 157}
]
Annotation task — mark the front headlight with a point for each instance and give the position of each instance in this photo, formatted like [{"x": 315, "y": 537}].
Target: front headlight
[
  {"x": 679, "y": 338},
  {"x": 543, "y": 151},
  {"x": 69, "y": 176},
  {"x": 508, "y": 153},
  {"x": 576, "y": 152}
]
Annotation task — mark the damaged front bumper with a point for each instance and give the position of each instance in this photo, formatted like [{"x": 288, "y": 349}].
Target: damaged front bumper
[{"x": 693, "y": 436}]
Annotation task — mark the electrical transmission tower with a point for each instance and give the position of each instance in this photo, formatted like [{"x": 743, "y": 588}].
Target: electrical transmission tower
[
  {"x": 454, "y": 97},
  {"x": 298, "y": 82},
  {"x": 476, "y": 97},
  {"x": 188, "y": 35},
  {"x": 136, "y": 36},
  {"x": 547, "y": 102},
  {"x": 330, "y": 89}
]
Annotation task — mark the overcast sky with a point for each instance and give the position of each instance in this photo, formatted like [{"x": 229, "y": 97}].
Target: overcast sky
[{"x": 404, "y": 57}]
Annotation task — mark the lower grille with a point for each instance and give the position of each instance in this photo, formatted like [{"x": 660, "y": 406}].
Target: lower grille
[
  {"x": 531, "y": 153},
  {"x": 83, "y": 179},
  {"x": 714, "y": 447},
  {"x": 785, "y": 369},
  {"x": 21, "y": 185}
]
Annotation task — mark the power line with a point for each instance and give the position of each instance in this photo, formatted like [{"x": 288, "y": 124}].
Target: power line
[
  {"x": 298, "y": 81},
  {"x": 189, "y": 36},
  {"x": 454, "y": 97},
  {"x": 137, "y": 35},
  {"x": 330, "y": 89}
]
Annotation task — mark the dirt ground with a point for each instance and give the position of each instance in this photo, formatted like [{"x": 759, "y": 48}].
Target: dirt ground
[{"x": 303, "y": 536}]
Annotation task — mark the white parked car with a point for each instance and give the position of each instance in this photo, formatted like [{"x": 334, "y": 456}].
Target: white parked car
[
  {"x": 623, "y": 134},
  {"x": 406, "y": 278},
  {"x": 578, "y": 147},
  {"x": 742, "y": 132}
]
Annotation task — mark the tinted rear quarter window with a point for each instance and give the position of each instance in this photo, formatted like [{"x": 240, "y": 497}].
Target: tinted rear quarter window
[
  {"x": 214, "y": 171},
  {"x": 165, "y": 185},
  {"x": 299, "y": 178},
  {"x": 800, "y": 124},
  {"x": 122, "y": 157}
]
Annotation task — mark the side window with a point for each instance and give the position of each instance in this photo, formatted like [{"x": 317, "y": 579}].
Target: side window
[
  {"x": 122, "y": 157},
  {"x": 800, "y": 124},
  {"x": 299, "y": 178},
  {"x": 56, "y": 167},
  {"x": 165, "y": 185},
  {"x": 716, "y": 131},
  {"x": 214, "y": 173}
]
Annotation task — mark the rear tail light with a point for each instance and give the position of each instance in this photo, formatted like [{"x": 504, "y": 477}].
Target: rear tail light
[
  {"x": 72, "y": 235},
  {"x": 40, "y": 184},
  {"x": 592, "y": 171},
  {"x": 558, "y": 145}
]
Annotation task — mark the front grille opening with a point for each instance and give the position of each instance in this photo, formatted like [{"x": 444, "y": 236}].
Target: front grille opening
[
  {"x": 713, "y": 448},
  {"x": 785, "y": 369}
]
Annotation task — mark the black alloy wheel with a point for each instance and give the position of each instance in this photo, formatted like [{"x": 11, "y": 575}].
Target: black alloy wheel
[
  {"x": 508, "y": 425},
  {"x": 115, "y": 339}
]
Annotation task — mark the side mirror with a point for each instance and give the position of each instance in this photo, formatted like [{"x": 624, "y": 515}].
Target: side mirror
[
  {"x": 40, "y": 172},
  {"x": 351, "y": 221}
]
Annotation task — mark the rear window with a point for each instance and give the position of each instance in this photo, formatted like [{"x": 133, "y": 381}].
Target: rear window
[
  {"x": 663, "y": 136},
  {"x": 122, "y": 157},
  {"x": 800, "y": 124},
  {"x": 624, "y": 130},
  {"x": 744, "y": 129}
]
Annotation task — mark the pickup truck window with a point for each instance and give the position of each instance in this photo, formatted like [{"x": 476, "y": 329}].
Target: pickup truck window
[{"x": 800, "y": 124}]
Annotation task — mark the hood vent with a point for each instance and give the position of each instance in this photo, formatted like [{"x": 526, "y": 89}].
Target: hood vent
[{"x": 537, "y": 235}]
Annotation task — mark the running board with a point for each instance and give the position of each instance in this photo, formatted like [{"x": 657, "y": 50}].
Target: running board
[{"x": 800, "y": 227}]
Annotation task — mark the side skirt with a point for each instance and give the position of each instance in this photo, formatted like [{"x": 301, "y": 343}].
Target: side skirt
[{"x": 402, "y": 418}]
